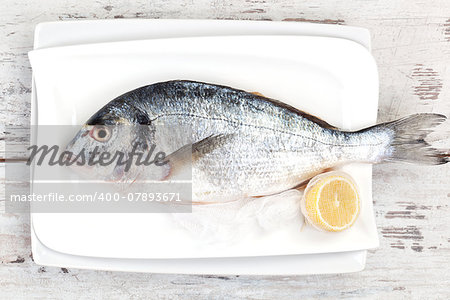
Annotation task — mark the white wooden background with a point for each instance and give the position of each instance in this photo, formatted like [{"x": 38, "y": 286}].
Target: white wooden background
[{"x": 411, "y": 44}]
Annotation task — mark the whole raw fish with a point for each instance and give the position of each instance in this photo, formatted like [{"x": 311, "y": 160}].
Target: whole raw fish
[{"x": 242, "y": 144}]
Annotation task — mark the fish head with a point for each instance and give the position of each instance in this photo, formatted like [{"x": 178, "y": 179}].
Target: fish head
[{"x": 102, "y": 147}]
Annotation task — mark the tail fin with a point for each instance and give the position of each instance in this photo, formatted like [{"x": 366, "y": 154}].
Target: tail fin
[{"x": 408, "y": 142}]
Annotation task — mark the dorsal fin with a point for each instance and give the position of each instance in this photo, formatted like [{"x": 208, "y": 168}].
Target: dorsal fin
[
  {"x": 257, "y": 94},
  {"x": 305, "y": 115}
]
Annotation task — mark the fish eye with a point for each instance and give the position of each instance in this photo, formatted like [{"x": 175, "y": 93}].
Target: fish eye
[{"x": 101, "y": 133}]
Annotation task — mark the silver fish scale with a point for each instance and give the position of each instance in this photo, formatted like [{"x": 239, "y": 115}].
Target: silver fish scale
[{"x": 268, "y": 147}]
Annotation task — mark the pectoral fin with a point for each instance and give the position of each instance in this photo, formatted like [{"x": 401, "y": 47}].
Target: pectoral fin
[{"x": 180, "y": 161}]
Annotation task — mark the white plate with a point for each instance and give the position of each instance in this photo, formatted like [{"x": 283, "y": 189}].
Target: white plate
[
  {"x": 365, "y": 111},
  {"x": 323, "y": 76}
]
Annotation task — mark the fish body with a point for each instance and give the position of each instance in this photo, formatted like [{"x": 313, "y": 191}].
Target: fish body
[{"x": 246, "y": 145}]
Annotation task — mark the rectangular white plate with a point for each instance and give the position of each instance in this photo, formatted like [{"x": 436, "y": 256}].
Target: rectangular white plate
[{"x": 369, "y": 105}]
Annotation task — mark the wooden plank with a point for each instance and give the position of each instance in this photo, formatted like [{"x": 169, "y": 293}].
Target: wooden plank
[{"x": 411, "y": 44}]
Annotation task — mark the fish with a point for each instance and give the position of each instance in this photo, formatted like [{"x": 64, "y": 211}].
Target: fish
[{"x": 240, "y": 144}]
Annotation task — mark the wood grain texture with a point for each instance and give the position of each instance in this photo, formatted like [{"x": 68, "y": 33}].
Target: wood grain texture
[{"x": 411, "y": 44}]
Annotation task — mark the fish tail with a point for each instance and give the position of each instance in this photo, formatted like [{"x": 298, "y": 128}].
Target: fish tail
[{"x": 407, "y": 139}]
